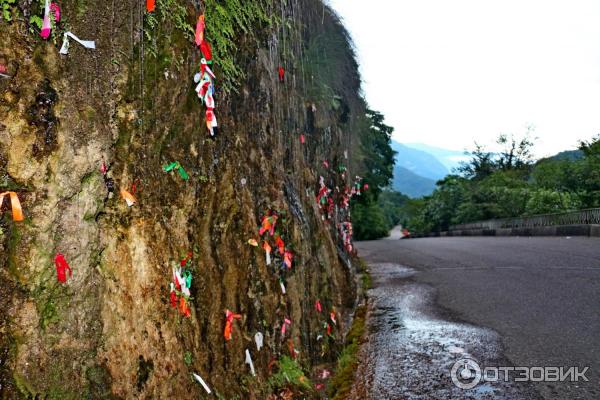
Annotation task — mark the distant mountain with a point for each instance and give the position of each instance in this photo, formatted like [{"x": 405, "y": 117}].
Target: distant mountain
[
  {"x": 570, "y": 155},
  {"x": 450, "y": 158},
  {"x": 419, "y": 162},
  {"x": 411, "y": 184}
]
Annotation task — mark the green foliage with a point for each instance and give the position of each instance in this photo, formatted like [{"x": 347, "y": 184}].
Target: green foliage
[
  {"x": 289, "y": 374},
  {"x": 510, "y": 186},
  {"x": 342, "y": 381},
  {"x": 369, "y": 222},
  {"x": 7, "y": 7},
  {"x": 544, "y": 201},
  {"x": 167, "y": 11},
  {"x": 392, "y": 205},
  {"x": 227, "y": 21},
  {"x": 188, "y": 359},
  {"x": 368, "y": 218}
]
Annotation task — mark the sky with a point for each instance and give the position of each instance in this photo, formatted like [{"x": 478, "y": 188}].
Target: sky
[{"x": 448, "y": 73}]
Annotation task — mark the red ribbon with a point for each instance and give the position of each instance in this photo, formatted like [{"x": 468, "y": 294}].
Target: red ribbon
[
  {"x": 184, "y": 262},
  {"x": 280, "y": 244},
  {"x": 229, "y": 317},
  {"x": 61, "y": 268},
  {"x": 150, "y": 5},
  {"x": 318, "y": 306},
  {"x": 281, "y": 74}
]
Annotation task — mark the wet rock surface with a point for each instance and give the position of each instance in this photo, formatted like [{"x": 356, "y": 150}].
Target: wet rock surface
[
  {"x": 412, "y": 347},
  {"x": 110, "y": 331}
]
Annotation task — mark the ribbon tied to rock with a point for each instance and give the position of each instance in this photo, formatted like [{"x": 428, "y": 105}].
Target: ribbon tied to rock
[
  {"x": 61, "y": 268},
  {"x": 17, "y": 211},
  {"x": 229, "y": 317}
]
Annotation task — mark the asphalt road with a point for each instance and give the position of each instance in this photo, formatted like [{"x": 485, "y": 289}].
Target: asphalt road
[{"x": 541, "y": 295}]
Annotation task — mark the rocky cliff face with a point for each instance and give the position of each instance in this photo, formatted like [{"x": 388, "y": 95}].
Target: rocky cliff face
[{"x": 110, "y": 331}]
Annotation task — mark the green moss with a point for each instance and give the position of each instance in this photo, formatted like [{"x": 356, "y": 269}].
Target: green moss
[
  {"x": 82, "y": 7},
  {"x": 188, "y": 359},
  {"x": 342, "y": 381},
  {"x": 24, "y": 387},
  {"x": 14, "y": 240}
]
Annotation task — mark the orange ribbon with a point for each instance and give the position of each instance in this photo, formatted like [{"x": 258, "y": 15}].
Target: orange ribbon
[
  {"x": 229, "y": 317},
  {"x": 17, "y": 211},
  {"x": 128, "y": 197}
]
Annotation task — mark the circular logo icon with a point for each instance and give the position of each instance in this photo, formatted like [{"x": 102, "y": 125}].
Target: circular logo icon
[{"x": 466, "y": 373}]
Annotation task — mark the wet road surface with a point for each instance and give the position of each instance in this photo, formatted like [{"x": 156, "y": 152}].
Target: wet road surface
[{"x": 501, "y": 301}]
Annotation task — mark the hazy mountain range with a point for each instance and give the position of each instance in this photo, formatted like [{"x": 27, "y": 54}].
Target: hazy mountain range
[{"x": 419, "y": 166}]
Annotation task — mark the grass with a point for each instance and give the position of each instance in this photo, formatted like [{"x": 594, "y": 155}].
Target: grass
[
  {"x": 347, "y": 362},
  {"x": 289, "y": 374}
]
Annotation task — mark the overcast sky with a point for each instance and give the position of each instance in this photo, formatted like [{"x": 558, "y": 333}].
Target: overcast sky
[{"x": 447, "y": 73}]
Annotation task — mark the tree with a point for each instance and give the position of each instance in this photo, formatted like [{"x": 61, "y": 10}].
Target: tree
[{"x": 377, "y": 170}]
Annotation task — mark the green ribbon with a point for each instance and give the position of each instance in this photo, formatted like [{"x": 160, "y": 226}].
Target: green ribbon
[
  {"x": 175, "y": 165},
  {"x": 187, "y": 275}
]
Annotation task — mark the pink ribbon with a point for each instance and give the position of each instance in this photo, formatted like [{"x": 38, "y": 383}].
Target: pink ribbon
[{"x": 286, "y": 323}]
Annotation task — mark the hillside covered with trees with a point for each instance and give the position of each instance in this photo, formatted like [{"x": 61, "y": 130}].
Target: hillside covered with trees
[{"x": 509, "y": 184}]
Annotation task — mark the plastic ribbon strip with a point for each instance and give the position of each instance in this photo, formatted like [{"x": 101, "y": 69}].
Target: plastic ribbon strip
[
  {"x": 201, "y": 381},
  {"x": 46, "y": 25},
  {"x": 205, "y": 79},
  {"x": 15, "y": 204},
  {"x": 281, "y": 74},
  {"x": 249, "y": 362},
  {"x": 134, "y": 186},
  {"x": 346, "y": 233},
  {"x": 55, "y": 8},
  {"x": 332, "y": 317},
  {"x": 302, "y": 138},
  {"x": 282, "y": 285},
  {"x": 176, "y": 166},
  {"x": 199, "y": 36},
  {"x": 286, "y": 323},
  {"x": 229, "y": 317},
  {"x": 253, "y": 242},
  {"x": 258, "y": 339},
  {"x": 3, "y": 71},
  {"x": 150, "y": 5},
  {"x": 267, "y": 249},
  {"x": 128, "y": 197},
  {"x": 61, "y": 268},
  {"x": 186, "y": 260},
  {"x": 293, "y": 352},
  {"x": 180, "y": 285},
  {"x": 318, "y": 306},
  {"x": 64, "y": 49},
  {"x": 268, "y": 224},
  {"x": 287, "y": 259},
  {"x": 280, "y": 244}
]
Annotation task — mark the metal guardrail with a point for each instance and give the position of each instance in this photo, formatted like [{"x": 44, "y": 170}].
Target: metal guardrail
[{"x": 581, "y": 217}]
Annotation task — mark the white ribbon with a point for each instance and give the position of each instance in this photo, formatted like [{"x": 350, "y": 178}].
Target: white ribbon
[
  {"x": 258, "y": 339},
  {"x": 199, "y": 379},
  {"x": 282, "y": 287},
  {"x": 64, "y": 49},
  {"x": 250, "y": 363}
]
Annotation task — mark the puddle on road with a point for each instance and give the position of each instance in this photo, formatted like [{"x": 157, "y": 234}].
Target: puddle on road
[{"x": 411, "y": 348}]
